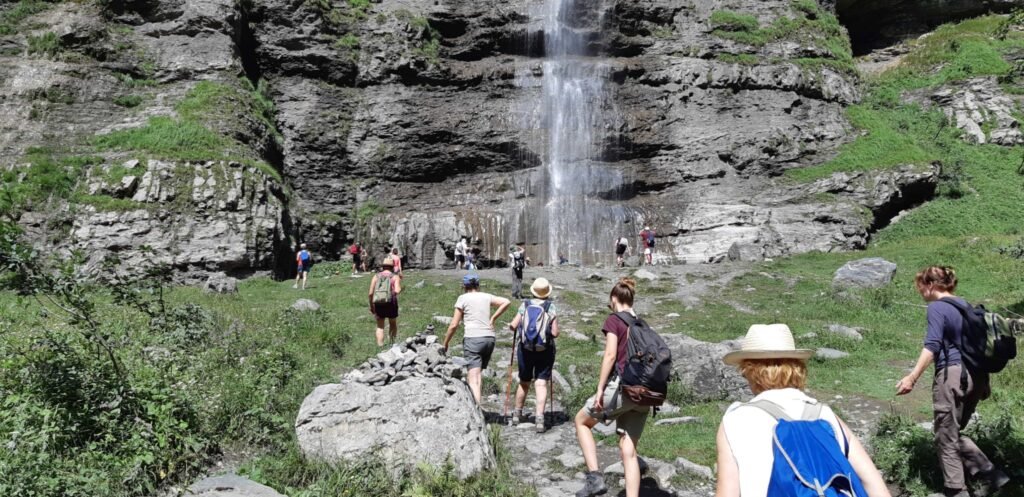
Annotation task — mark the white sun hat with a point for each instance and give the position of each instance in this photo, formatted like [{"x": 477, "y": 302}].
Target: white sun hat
[
  {"x": 767, "y": 341},
  {"x": 541, "y": 288}
]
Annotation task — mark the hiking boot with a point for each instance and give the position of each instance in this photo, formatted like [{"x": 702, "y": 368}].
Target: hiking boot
[
  {"x": 989, "y": 482},
  {"x": 540, "y": 425},
  {"x": 517, "y": 417},
  {"x": 593, "y": 485}
]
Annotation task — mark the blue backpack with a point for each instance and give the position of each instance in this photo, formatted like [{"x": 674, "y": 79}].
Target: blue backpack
[
  {"x": 304, "y": 256},
  {"x": 808, "y": 461},
  {"x": 535, "y": 325}
]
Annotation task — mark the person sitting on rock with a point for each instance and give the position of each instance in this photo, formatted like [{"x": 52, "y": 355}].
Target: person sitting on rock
[
  {"x": 384, "y": 289},
  {"x": 536, "y": 356},
  {"x": 748, "y": 438},
  {"x": 609, "y": 404},
  {"x": 474, "y": 307}
]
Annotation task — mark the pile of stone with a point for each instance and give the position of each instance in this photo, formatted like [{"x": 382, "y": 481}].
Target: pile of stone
[{"x": 418, "y": 356}]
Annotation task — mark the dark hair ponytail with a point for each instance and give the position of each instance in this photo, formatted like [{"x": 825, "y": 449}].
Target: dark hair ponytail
[{"x": 624, "y": 291}]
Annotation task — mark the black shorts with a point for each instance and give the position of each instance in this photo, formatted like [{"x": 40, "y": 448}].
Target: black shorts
[
  {"x": 460, "y": 259},
  {"x": 356, "y": 259},
  {"x": 535, "y": 365},
  {"x": 386, "y": 311},
  {"x": 620, "y": 250}
]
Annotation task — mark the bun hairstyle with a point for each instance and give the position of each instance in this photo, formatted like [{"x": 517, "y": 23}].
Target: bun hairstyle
[
  {"x": 936, "y": 278},
  {"x": 624, "y": 291}
]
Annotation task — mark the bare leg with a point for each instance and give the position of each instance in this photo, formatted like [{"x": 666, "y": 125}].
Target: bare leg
[
  {"x": 305, "y": 275},
  {"x": 524, "y": 388},
  {"x": 585, "y": 437},
  {"x": 474, "y": 383},
  {"x": 380, "y": 332},
  {"x": 630, "y": 465},
  {"x": 541, "y": 386},
  {"x": 393, "y": 329}
]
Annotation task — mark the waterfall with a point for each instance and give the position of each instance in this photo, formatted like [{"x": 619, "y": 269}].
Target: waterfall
[{"x": 576, "y": 113}]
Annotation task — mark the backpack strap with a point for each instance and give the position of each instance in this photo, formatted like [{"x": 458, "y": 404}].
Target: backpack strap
[{"x": 773, "y": 409}]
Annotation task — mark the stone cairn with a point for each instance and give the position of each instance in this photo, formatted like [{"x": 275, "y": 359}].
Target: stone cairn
[{"x": 418, "y": 356}]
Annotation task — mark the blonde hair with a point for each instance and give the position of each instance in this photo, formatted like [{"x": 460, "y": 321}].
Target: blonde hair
[{"x": 774, "y": 374}]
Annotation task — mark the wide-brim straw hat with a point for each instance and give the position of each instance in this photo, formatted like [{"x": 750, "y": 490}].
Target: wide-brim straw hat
[
  {"x": 767, "y": 341},
  {"x": 540, "y": 288}
]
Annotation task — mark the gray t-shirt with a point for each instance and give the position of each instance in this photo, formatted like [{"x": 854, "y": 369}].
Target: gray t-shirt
[
  {"x": 945, "y": 326},
  {"x": 476, "y": 314}
]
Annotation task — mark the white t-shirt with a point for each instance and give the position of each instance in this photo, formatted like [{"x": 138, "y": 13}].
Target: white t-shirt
[
  {"x": 624, "y": 242},
  {"x": 750, "y": 431},
  {"x": 476, "y": 314},
  {"x": 460, "y": 248}
]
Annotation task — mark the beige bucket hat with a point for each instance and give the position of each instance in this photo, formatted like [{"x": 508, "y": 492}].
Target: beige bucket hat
[
  {"x": 767, "y": 341},
  {"x": 540, "y": 288}
]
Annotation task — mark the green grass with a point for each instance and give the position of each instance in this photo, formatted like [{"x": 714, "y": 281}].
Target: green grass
[
  {"x": 46, "y": 44},
  {"x": 45, "y": 178},
  {"x": 106, "y": 203},
  {"x": 12, "y": 19},
  {"x": 168, "y": 138},
  {"x": 128, "y": 101}
]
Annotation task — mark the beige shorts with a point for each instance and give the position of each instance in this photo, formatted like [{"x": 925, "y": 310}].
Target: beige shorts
[{"x": 629, "y": 418}]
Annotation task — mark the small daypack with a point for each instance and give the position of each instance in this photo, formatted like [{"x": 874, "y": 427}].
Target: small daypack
[
  {"x": 383, "y": 293},
  {"x": 650, "y": 238},
  {"x": 808, "y": 459},
  {"x": 987, "y": 343},
  {"x": 304, "y": 256},
  {"x": 645, "y": 376},
  {"x": 535, "y": 327}
]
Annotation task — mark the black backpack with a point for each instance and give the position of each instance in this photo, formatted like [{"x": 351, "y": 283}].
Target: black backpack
[
  {"x": 986, "y": 343},
  {"x": 518, "y": 261},
  {"x": 645, "y": 376}
]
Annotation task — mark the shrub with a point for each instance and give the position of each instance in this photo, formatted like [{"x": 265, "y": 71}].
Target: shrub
[
  {"x": 46, "y": 44},
  {"x": 128, "y": 101},
  {"x": 734, "y": 22}
]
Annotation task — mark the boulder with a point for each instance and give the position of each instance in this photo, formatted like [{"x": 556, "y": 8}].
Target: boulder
[
  {"x": 845, "y": 331},
  {"x": 418, "y": 420},
  {"x": 694, "y": 469},
  {"x": 744, "y": 252},
  {"x": 303, "y": 305},
  {"x": 700, "y": 369},
  {"x": 230, "y": 486},
  {"x": 873, "y": 272},
  {"x": 643, "y": 274},
  {"x": 830, "y": 354}
]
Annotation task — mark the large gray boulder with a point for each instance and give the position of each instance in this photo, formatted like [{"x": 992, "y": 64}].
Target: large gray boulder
[
  {"x": 304, "y": 305},
  {"x": 230, "y": 486},
  {"x": 700, "y": 369},
  {"x": 873, "y": 272},
  {"x": 220, "y": 283},
  {"x": 418, "y": 420}
]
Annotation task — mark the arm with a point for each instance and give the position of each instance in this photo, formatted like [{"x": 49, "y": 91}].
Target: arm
[
  {"x": 554, "y": 327},
  {"x": 869, "y": 475},
  {"x": 456, "y": 320},
  {"x": 607, "y": 363},
  {"x": 728, "y": 473},
  {"x": 373, "y": 284},
  {"x": 514, "y": 325},
  {"x": 906, "y": 385},
  {"x": 502, "y": 304},
  {"x": 398, "y": 284}
]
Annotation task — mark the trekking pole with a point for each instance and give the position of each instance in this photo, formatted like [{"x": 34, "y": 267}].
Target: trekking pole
[{"x": 508, "y": 386}]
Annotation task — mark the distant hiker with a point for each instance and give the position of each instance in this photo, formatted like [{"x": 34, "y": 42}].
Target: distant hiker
[
  {"x": 303, "y": 261},
  {"x": 536, "y": 327},
  {"x": 517, "y": 260},
  {"x": 364, "y": 257},
  {"x": 474, "y": 307},
  {"x": 356, "y": 252},
  {"x": 961, "y": 381},
  {"x": 626, "y": 391},
  {"x": 384, "y": 289},
  {"x": 470, "y": 260},
  {"x": 621, "y": 251},
  {"x": 562, "y": 259},
  {"x": 398, "y": 260},
  {"x": 461, "y": 249},
  {"x": 782, "y": 420},
  {"x": 647, "y": 241}
]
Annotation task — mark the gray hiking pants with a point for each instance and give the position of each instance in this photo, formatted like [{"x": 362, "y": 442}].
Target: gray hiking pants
[
  {"x": 517, "y": 284},
  {"x": 954, "y": 403}
]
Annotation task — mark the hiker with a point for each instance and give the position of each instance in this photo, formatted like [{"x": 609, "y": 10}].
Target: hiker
[
  {"x": 536, "y": 325},
  {"x": 562, "y": 259},
  {"x": 398, "y": 260},
  {"x": 303, "y": 261},
  {"x": 356, "y": 251},
  {"x": 478, "y": 337},
  {"x": 752, "y": 434},
  {"x": 384, "y": 290},
  {"x": 517, "y": 260},
  {"x": 647, "y": 239},
  {"x": 470, "y": 258},
  {"x": 611, "y": 402},
  {"x": 956, "y": 389},
  {"x": 364, "y": 257},
  {"x": 461, "y": 249},
  {"x": 621, "y": 251}
]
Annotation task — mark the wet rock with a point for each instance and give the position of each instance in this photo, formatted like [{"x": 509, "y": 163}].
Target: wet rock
[
  {"x": 873, "y": 272},
  {"x": 305, "y": 305}
]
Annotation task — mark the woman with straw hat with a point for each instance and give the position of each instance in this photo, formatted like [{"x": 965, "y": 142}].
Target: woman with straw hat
[
  {"x": 386, "y": 310},
  {"x": 777, "y": 373},
  {"x": 536, "y": 361}
]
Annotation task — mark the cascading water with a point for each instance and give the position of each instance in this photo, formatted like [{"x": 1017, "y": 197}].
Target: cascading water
[{"x": 576, "y": 115}]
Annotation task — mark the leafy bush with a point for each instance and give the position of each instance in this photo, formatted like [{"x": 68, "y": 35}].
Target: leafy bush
[{"x": 128, "y": 101}]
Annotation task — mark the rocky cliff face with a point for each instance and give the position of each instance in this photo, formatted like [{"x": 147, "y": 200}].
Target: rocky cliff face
[{"x": 413, "y": 123}]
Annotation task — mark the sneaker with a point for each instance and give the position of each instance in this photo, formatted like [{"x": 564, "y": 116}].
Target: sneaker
[
  {"x": 295, "y": 286},
  {"x": 593, "y": 485},
  {"x": 540, "y": 425},
  {"x": 990, "y": 482},
  {"x": 517, "y": 417}
]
